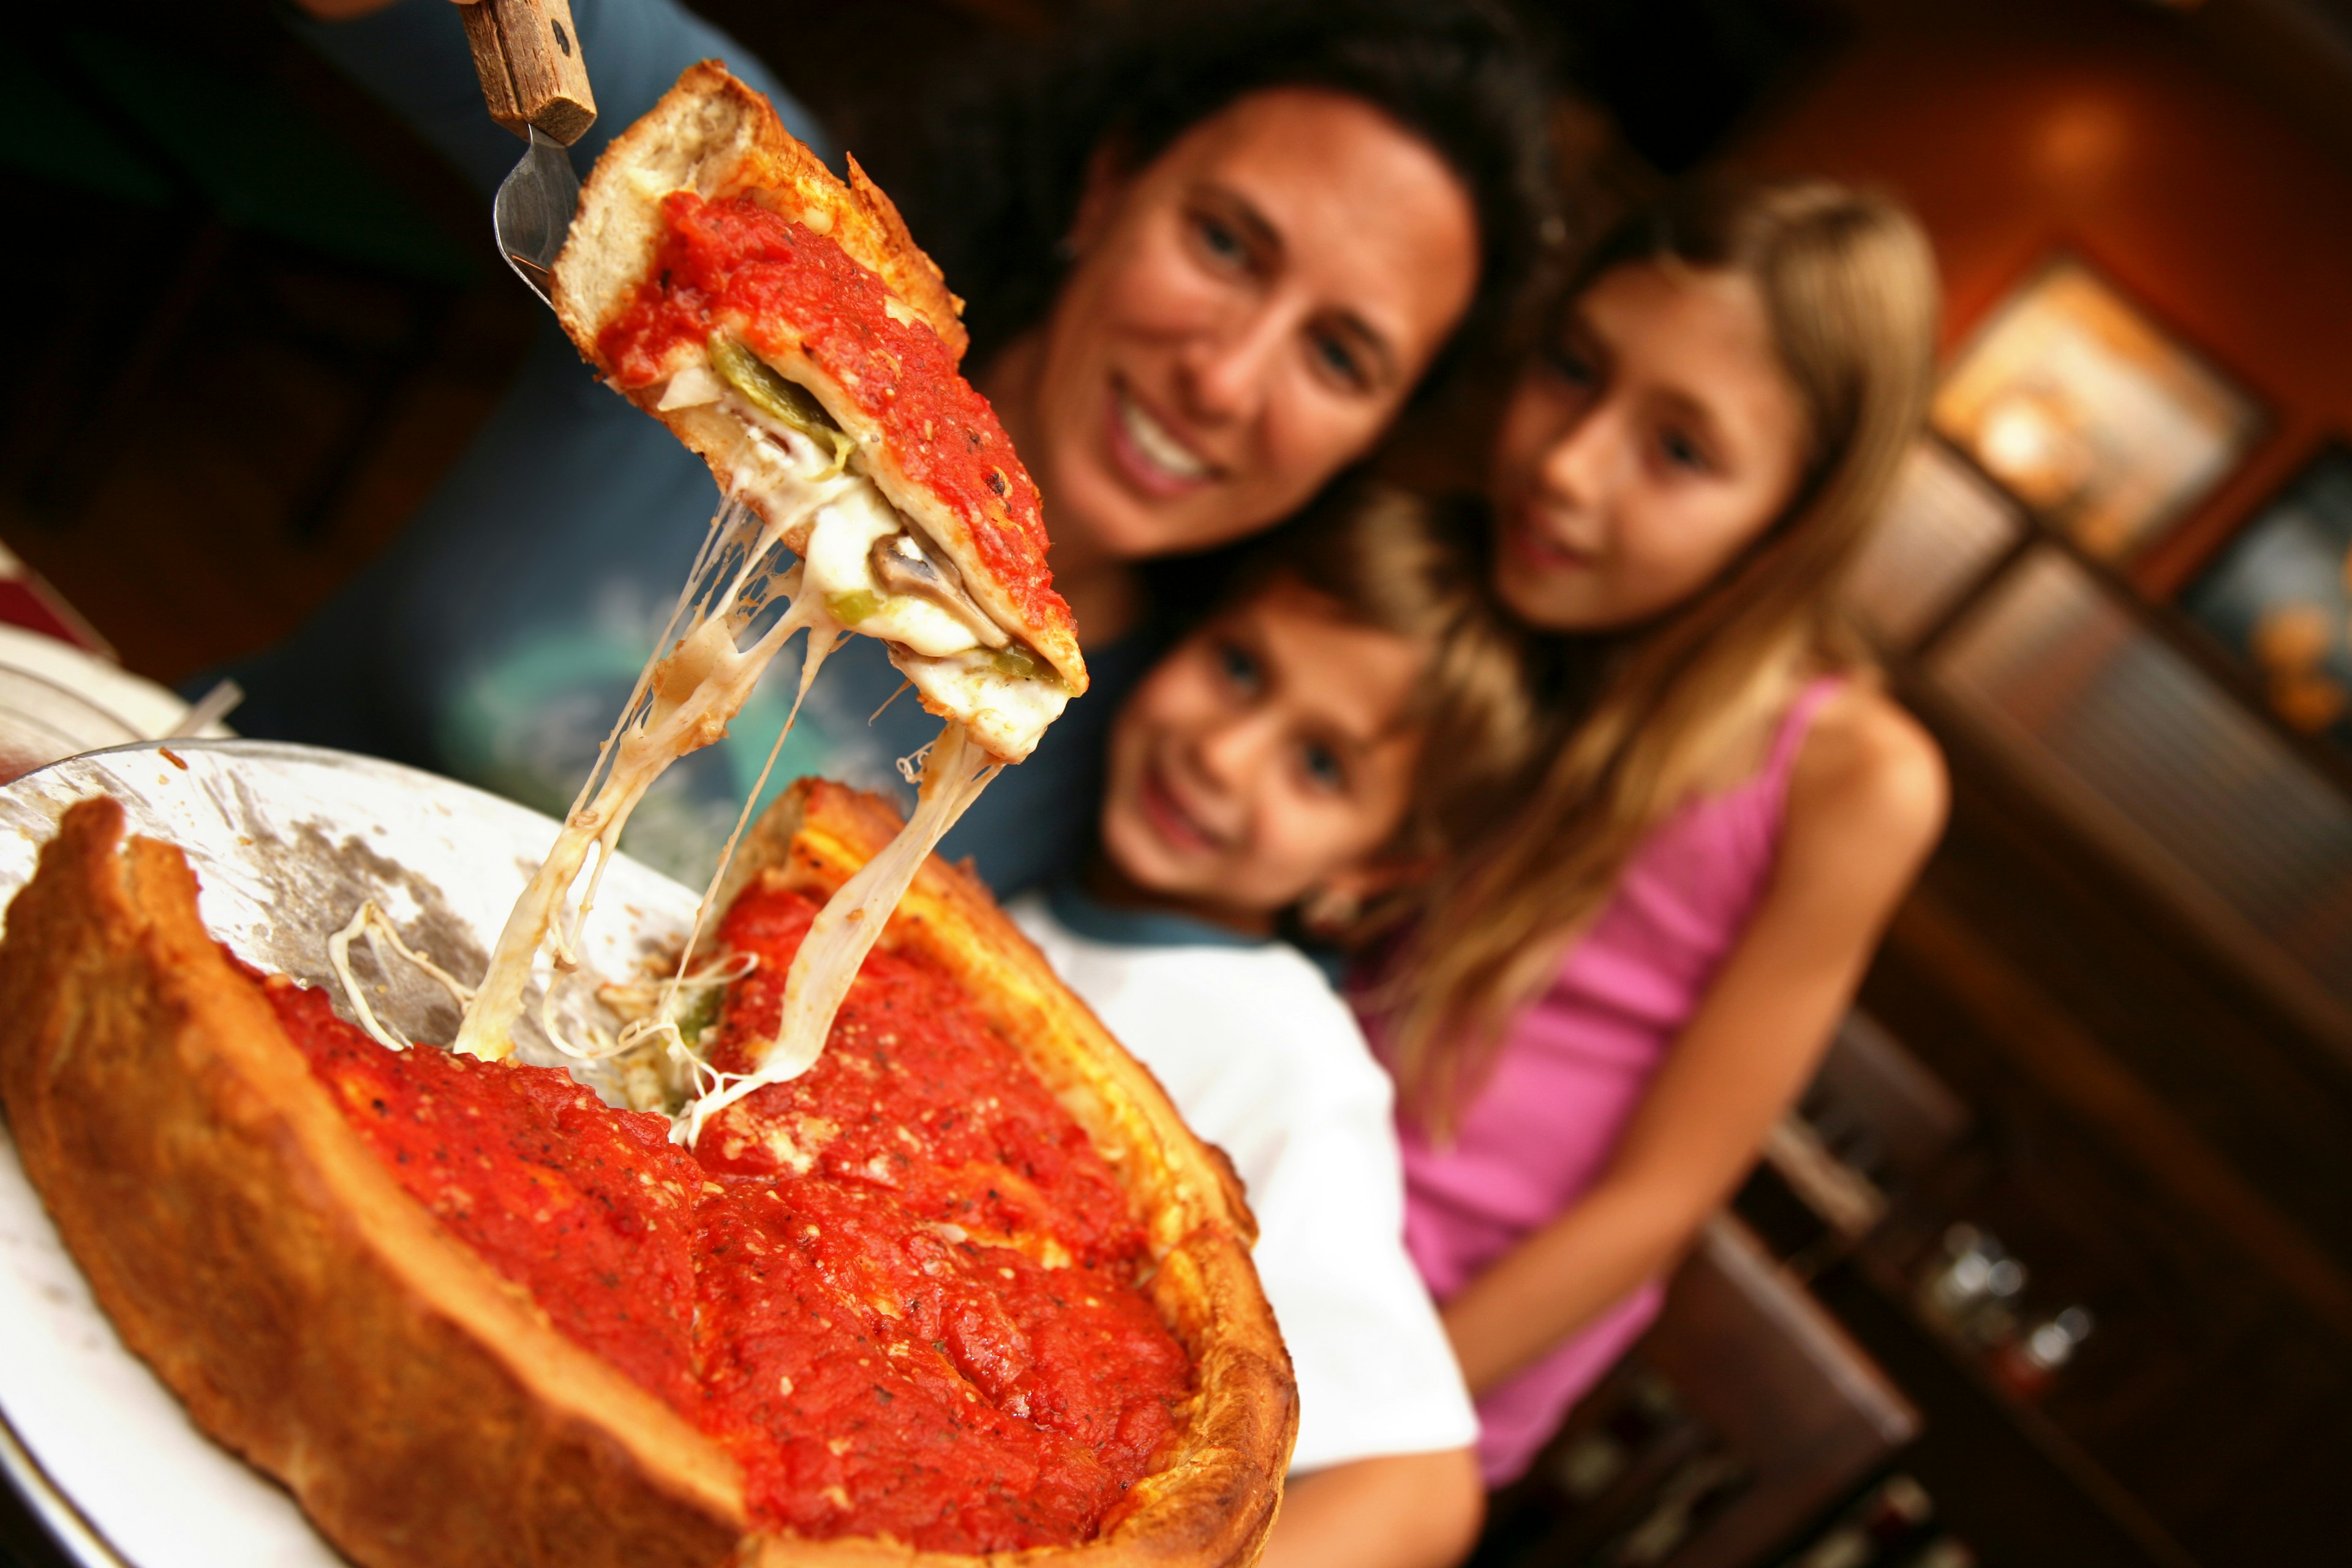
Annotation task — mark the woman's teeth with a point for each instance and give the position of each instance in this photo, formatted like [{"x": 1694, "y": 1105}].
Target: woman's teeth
[{"x": 1160, "y": 448}]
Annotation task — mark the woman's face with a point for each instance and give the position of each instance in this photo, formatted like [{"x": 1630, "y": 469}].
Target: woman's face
[
  {"x": 1644, "y": 449},
  {"x": 1244, "y": 316}
]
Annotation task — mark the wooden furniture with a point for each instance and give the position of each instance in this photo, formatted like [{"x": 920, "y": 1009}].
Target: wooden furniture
[
  {"x": 1746, "y": 1415},
  {"x": 1872, "y": 1131}
]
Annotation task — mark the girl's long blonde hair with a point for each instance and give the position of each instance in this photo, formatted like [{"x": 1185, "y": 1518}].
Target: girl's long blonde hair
[{"x": 1849, "y": 286}]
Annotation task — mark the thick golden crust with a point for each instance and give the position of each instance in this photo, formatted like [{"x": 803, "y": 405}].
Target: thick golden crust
[
  {"x": 318, "y": 1320},
  {"x": 714, "y": 136},
  {"x": 312, "y": 1315}
]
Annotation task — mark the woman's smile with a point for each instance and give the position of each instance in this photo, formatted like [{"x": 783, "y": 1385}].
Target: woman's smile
[
  {"x": 1243, "y": 317},
  {"x": 1146, "y": 453}
]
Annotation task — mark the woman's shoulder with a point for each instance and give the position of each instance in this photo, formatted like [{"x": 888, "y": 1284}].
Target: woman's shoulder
[{"x": 1870, "y": 771}]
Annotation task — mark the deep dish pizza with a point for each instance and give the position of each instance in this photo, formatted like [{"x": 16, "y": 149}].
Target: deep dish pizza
[
  {"x": 966, "y": 1287},
  {"x": 898, "y": 1257}
]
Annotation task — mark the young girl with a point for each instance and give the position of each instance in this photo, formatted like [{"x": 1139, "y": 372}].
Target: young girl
[
  {"x": 1354, "y": 700},
  {"x": 1597, "y": 1018}
]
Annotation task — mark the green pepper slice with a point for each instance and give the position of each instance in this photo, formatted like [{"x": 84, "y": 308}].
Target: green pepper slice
[
  {"x": 771, "y": 394},
  {"x": 1022, "y": 665},
  {"x": 854, "y": 607}
]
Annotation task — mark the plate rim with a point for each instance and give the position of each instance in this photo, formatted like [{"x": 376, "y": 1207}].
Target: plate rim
[{"x": 71, "y": 1531}]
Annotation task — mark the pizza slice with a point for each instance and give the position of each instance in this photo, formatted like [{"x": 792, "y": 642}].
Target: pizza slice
[{"x": 784, "y": 326}]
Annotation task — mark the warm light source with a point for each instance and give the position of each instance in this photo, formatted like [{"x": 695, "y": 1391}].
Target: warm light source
[
  {"x": 2082, "y": 139},
  {"x": 2031, "y": 442}
]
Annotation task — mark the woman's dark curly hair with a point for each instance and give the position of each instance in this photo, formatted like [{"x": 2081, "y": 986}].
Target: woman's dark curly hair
[{"x": 1001, "y": 186}]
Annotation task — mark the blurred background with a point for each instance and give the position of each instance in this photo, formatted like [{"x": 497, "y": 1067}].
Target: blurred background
[{"x": 2054, "y": 1265}]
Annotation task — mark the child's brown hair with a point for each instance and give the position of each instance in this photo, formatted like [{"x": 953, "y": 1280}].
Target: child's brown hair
[{"x": 1394, "y": 561}]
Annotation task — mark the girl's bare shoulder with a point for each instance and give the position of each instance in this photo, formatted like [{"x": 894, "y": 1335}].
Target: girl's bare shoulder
[{"x": 1870, "y": 774}]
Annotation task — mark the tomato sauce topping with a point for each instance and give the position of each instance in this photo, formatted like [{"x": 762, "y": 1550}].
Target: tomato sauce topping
[
  {"x": 780, "y": 285},
  {"x": 589, "y": 1208},
  {"x": 900, "y": 1290},
  {"x": 919, "y": 1188},
  {"x": 914, "y": 1093}
]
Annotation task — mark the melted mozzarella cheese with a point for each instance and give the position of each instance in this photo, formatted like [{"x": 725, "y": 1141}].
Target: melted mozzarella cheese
[
  {"x": 697, "y": 680},
  {"x": 840, "y": 566},
  {"x": 788, "y": 494},
  {"x": 683, "y": 702},
  {"x": 1006, "y": 712},
  {"x": 846, "y": 930}
]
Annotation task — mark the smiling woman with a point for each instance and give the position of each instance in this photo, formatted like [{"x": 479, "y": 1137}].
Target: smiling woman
[{"x": 1213, "y": 356}]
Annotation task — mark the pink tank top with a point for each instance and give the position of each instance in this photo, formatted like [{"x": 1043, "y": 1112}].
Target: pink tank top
[{"x": 1575, "y": 1065}]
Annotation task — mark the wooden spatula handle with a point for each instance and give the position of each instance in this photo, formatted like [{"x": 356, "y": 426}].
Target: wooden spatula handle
[{"x": 527, "y": 56}]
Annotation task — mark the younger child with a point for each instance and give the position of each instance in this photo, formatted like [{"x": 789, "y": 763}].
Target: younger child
[{"x": 1326, "y": 735}]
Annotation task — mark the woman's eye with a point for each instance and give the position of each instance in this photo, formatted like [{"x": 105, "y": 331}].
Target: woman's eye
[
  {"x": 1573, "y": 366},
  {"x": 1322, "y": 766},
  {"x": 1239, "y": 668},
  {"x": 1337, "y": 358},
  {"x": 1220, "y": 239}
]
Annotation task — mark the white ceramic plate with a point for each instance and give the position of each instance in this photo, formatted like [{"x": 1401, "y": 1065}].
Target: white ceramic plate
[
  {"x": 285, "y": 841},
  {"x": 57, "y": 700}
]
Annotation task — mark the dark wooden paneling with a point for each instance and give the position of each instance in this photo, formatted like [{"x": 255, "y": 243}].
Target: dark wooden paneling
[{"x": 2216, "y": 1391}]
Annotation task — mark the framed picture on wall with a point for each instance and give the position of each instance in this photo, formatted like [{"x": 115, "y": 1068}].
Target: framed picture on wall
[
  {"x": 2279, "y": 596},
  {"x": 2097, "y": 419}
]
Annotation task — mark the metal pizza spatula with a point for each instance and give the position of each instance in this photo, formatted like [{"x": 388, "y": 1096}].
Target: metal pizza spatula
[{"x": 536, "y": 84}]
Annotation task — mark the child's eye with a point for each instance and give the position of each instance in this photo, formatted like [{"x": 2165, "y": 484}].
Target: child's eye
[
  {"x": 1322, "y": 766},
  {"x": 1239, "y": 667},
  {"x": 1682, "y": 451}
]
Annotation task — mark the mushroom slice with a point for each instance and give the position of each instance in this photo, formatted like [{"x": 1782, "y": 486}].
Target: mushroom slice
[{"x": 901, "y": 565}]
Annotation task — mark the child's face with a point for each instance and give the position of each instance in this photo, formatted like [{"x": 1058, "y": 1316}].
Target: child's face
[
  {"x": 1262, "y": 759},
  {"x": 1651, "y": 443}
]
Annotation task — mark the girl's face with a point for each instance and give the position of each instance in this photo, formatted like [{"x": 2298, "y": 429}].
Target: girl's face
[
  {"x": 1245, "y": 315},
  {"x": 1644, "y": 449},
  {"x": 1262, "y": 759}
]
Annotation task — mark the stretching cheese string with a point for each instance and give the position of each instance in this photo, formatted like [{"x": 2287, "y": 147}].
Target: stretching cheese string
[
  {"x": 697, "y": 681},
  {"x": 682, "y": 700},
  {"x": 954, "y": 773}
]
